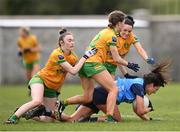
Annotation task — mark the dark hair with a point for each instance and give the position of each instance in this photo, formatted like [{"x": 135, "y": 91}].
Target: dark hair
[
  {"x": 115, "y": 17},
  {"x": 159, "y": 76},
  {"x": 129, "y": 20},
  {"x": 62, "y": 33}
]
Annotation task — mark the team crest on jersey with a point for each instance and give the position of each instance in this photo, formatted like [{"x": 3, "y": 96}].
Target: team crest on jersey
[
  {"x": 114, "y": 39},
  {"x": 61, "y": 57}
]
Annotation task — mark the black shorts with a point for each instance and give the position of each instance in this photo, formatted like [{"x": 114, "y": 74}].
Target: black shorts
[{"x": 99, "y": 98}]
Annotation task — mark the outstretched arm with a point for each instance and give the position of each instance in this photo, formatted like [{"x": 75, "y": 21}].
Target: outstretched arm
[
  {"x": 143, "y": 53},
  {"x": 117, "y": 58},
  {"x": 74, "y": 69}
]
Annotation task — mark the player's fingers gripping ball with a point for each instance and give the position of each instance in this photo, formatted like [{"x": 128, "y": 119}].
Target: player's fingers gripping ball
[{"x": 147, "y": 103}]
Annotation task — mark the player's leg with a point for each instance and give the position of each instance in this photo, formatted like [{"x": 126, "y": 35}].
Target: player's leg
[
  {"x": 81, "y": 113},
  {"x": 37, "y": 92},
  {"x": 45, "y": 113},
  {"x": 116, "y": 115},
  {"x": 105, "y": 79},
  {"x": 88, "y": 87},
  {"x": 50, "y": 105},
  {"x": 28, "y": 69},
  {"x": 28, "y": 74}
]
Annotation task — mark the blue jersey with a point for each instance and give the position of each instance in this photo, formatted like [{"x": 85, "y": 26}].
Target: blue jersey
[{"x": 129, "y": 88}]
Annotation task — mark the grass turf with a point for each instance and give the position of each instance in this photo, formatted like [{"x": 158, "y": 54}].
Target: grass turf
[{"x": 165, "y": 102}]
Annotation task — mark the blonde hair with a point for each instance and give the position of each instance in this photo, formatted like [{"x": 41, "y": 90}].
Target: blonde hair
[{"x": 25, "y": 29}]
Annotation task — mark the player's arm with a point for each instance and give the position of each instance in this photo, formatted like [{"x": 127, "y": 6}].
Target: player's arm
[
  {"x": 119, "y": 60},
  {"x": 143, "y": 53},
  {"x": 36, "y": 48},
  {"x": 74, "y": 69},
  {"x": 124, "y": 72},
  {"x": 143, "y": 117},
  {"x": 116, "y": 57},
  {"x": 140, "y": 109},
  {"x": 20, "y": 49}
]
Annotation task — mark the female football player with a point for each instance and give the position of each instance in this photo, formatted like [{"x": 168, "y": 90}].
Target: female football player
[
  {"x": 125, "y": 39},
  {"x": 93, "y": 69},
  {"x": 29, "y": 49},
  {"x": 46, "y": 84},
  {"x": 128, "y": 91}
]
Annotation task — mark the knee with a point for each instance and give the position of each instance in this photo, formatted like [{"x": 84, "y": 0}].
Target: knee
[
  {"x": 87, "y": 99},
  {"x": 114, "y": 90}
]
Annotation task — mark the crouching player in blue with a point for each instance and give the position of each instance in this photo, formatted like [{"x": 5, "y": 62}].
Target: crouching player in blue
[{"x": 128, "y": 91}]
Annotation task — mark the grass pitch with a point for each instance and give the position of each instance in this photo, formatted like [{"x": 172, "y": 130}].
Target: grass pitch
[{"x": 166, "y": 116}]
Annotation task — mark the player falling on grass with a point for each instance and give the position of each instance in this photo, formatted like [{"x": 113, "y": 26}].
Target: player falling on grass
[
  {"x": 125, "y": 39},
  {"x": 46, "y": 84},
  {"x": 93, "y": 68},
  {"x": 29, "y": 49},
  {"x": 128, "y": 91}
]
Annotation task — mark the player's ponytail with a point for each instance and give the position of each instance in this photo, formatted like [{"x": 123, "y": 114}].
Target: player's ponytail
[
  {"x": 159, "y": 75},
  {"x": 129, "y": 20},
  {"x": 63, "y": 30}
]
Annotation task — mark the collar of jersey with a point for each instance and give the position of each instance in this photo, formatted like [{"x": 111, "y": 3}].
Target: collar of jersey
[
  {"x": 63, "y": 52},
  {"x": 116, "y": 33}
]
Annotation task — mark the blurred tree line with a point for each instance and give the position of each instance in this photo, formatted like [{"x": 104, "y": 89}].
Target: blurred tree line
[{"x": 82, "y": 7}]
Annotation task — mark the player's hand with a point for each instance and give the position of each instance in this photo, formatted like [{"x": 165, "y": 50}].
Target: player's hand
[
  {"x": 150, "y": 61},
  {"x": 20, "y": 54},
  {"x": 133, "y": 66},
  {"x": 150, "y": 106},
  {"x": 26, "y": 50},
  {"x": 90, "y": 53},
  {"x": 127, "y": 75}
]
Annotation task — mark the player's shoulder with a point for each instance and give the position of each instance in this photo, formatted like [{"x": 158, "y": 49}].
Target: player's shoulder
[
  {"x": 133, "y": 37},
  {"x": 108, "y": 32},
  {"x": 138, "y": 81},
  {"x": 19, "y": 39},
  {"x": 57, "y": 52},
  {"x": 32, "y": 36}
]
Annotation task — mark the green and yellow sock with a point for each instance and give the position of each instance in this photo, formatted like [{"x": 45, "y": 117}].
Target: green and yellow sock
[
  {"x": 13, "y": 118},
  {"x": 65, "y": 102},
  {"x": 110, "y": 118}
]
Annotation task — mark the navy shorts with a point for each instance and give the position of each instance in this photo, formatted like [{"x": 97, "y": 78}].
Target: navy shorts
[{"x": 99, "y": 98}]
